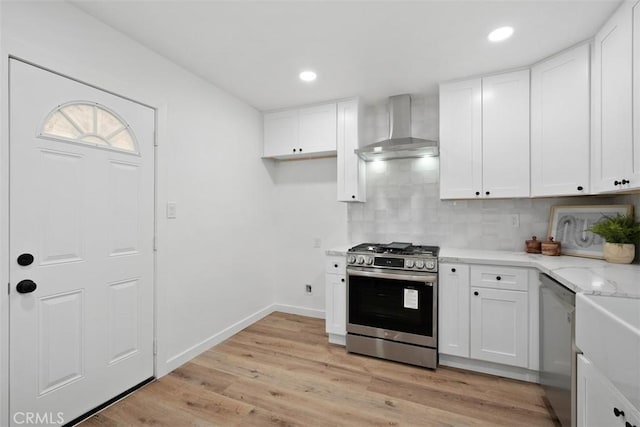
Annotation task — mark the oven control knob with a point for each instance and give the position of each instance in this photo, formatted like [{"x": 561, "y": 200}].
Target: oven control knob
[
  {"x": 420, "y": 263},
  {"x": 368, "y": 260},
  {"x": 409, "y": 263},
  {"x": 351, "y": 259},
  {"x": 430, "y": 265},
  {"x": 360, "y": 259}
]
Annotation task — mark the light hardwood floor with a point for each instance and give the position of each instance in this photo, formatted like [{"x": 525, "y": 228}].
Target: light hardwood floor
[{"x": 281, "y": 371}]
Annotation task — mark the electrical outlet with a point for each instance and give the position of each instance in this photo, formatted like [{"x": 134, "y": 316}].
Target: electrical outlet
[
  {"x": 514, "y": 220},
  {"x": 308, "y": 289}
]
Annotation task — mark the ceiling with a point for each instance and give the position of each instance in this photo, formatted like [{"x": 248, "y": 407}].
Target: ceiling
[{"x": 371, "y": 49}]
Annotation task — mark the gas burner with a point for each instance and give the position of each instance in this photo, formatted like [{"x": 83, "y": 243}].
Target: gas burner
[
  {"x": 395, "y": 255},
  {"x": 396, "y": 248}
]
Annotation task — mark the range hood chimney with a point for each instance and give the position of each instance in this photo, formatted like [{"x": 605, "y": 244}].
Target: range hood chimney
[{"x": 400, "y": 145}]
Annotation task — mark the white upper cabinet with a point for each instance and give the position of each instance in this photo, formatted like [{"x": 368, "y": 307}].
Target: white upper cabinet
[
  {"x": 484, "y": 137},
  {"x": 280, "y": 133},
  {"x": 302, "y": 132},
  {"x": 505, "y": 135},
  {"x": 615, "y": 157},
  {"x": 317, "y": 129},
  {"x": 460, "y": 139},
  {"x": 351, "y": 169},
  {"x": 560, "y": 126}
]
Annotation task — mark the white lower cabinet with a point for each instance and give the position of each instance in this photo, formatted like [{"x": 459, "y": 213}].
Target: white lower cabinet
[
  {"x": 453, "y": 310},
  {"x": 499, "y": 326},
  {"x": 336, "y": 300},
  {"x": 599, "y": 403},
  {"x": 484, "y": 314}
]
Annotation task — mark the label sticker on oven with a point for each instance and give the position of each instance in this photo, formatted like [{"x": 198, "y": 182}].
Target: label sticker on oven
[{"x": 411, "y": 299}]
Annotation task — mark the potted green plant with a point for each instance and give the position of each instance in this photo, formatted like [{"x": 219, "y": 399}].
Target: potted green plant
[{"x": 621, "y": 233}]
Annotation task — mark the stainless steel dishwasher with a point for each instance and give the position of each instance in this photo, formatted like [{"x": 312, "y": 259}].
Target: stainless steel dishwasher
[{"x": 558, "y": 349}]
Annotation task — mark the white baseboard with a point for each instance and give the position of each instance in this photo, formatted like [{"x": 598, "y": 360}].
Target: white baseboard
[
  {"x": 302, "y": 311},
  {"x": 338, "y": 339},
  {"x": 506, "y": 371},
  {"x": 195, "y": 350}
]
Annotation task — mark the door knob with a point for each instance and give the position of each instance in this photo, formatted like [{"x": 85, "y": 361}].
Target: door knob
[
  {"x": 26, "y": 286},
  {"x": 25, "y": 259}
]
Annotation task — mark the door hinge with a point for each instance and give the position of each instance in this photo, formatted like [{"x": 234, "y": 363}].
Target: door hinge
[
  {"x": 155, "y": 138},
  {"x": 9, "y": 288},
  {"x": 155, "y": 347},
  {"x": 155, "y": 243}
]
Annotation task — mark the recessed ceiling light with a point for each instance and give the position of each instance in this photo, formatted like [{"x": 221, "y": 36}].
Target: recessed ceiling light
[
  {"x": 308, "y": 76},
  {"x": 500, "y": 34}
]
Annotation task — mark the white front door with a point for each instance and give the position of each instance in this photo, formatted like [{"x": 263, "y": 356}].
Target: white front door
[{"x": 81, "y": 246}]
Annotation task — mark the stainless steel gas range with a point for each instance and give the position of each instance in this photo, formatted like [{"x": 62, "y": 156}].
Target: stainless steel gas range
[{"x": 392, "y": 302}]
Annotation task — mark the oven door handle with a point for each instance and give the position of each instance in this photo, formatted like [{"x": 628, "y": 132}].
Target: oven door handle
[{"x": 394, "y": 276}]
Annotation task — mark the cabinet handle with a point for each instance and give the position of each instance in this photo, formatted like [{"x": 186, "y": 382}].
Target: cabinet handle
[
  {"x": 580, "y": 188},
  {"x": 294, "y": 150},
  {"x": 477, "y": 193},
  {"x": 618, "y": 413},
  {"x": 453, "y": 270},
  {"x": 628, "y": 424},
  {"x": 625, "y": 181},
  {"x": 476, "y": 293},
  {"x": 335, "y": 265},
  {"x": 487, "y": 192},
  {"x": 498, "y": 278},
  {"x": 342, "y": 280},
  {"x": 353, "y": 196},
  {"x": 616, "y": 182},
  {"x": 300, "y": 150}
]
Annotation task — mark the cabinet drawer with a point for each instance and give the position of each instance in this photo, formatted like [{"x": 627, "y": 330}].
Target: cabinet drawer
[
  {"x": 336, "y": 265},
  {"x": 497, "y": 277}
]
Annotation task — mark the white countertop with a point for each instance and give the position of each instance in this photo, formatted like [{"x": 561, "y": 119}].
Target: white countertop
[{"x": 583, "y": 275}]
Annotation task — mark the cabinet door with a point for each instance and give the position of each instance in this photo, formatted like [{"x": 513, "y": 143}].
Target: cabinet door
[
  {"x": 560, "y": 112},
  {"x": 453, "y": 310},
  {"x": 636, "y": 96},
  {"x": 317, "y": 129},
  {"x": 598, "y": 399},
  {"x": 499, "y": 326},
  {"x": 351, "y": 169},
  {"x": 336, "y": 304},
  {"x": 613, "y": 153},
  {"x": 461, "y": 140},
  {"x": 505, "y": 135},
  {"x": 280, "y": 133}
]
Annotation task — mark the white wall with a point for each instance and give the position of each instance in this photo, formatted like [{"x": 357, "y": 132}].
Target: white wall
[
  {"x": 208, "y": 162},
  {"x": 306, "y": 193}
]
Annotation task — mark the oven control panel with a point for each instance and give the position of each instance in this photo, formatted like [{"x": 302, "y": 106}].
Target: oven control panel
[{"x": 395, "y": 262}]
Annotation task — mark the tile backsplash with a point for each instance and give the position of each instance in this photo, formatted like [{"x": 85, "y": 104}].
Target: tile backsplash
[
  {"x": 403, "y": 204},
  {"x": 403, "y": 198}
]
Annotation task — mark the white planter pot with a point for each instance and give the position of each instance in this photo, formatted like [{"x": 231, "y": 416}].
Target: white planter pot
[{"x": 619, "y": 253}]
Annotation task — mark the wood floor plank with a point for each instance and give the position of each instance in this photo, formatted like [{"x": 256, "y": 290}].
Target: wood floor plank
[{"x": 281, "y": 371}]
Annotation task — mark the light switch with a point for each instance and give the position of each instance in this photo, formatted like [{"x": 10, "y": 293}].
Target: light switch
[{"x": 171, "y": 210}]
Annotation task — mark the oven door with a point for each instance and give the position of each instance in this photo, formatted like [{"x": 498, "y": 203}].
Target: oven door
[{"x": 393, "y": 305}]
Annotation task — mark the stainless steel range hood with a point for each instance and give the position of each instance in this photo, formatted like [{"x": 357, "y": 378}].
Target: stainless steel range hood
[{"x": 400, "y": 145}]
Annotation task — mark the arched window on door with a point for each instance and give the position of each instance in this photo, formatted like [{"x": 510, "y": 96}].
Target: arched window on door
[{"x": 89, "y": 123}]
